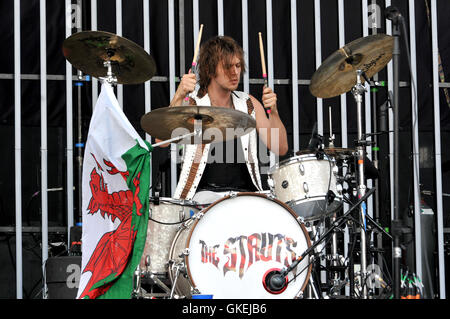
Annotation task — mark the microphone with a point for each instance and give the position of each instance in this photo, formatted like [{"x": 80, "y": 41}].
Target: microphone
[
  {"x": 393, "y": 14},
  {"x": 274, "y": 281},
  {"x": 316, "y": 140},
  {"x": 382, "y": 116},
  {"x": 383, "y": 112}
]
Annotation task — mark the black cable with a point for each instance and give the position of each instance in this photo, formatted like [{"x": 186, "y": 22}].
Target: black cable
[{"x": 169, "y": 224}]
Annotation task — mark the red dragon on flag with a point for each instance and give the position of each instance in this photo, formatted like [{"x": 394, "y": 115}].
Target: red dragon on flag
[{"x": 112, "y": 252}]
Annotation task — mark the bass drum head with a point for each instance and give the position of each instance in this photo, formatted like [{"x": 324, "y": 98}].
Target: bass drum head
[{"x": 236, "y": 242}]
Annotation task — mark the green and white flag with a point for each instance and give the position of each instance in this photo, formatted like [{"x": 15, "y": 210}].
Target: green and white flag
[{"x": 115, "y": 186}]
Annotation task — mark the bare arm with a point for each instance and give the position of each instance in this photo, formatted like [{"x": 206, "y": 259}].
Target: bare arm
[
  {"x": 271, "y": 130},
  {"x": 186, "y": 86}
]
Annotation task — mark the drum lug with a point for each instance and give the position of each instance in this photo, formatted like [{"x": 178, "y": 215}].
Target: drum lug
[
  {"x": 270, "y": 182},
  {"x": 185, "y": 252},
  {"x": 339, "y": 189},
  {"x": 301, "y": 220},
  {"x": 335, "y": 170},
  {"x": 147, "y": 262},
  {"x": 306, "y": 188},
  {"x": 233, "y": 194},
  {"x": 181, "y": 214},
  {"x": 198, "y": 216},
  {"x": 301, "y": 168}
]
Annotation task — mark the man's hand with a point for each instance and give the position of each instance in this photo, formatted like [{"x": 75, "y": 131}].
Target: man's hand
[
  {"x": 186, "y": 86},
  {"x": 269, "y": 99}
]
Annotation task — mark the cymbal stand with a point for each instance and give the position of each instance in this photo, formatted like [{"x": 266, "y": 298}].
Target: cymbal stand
[
  {"x": 332, "y": 137},
  {"x": 197, "y": 135},
  {"x": 334, "y": 257},
  {"x": 358, "y": 90},
  {"x": 110, "y": 77}
]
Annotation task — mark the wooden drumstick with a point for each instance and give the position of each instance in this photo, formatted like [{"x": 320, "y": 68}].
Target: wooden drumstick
[
  {"x": 263, "y": 65},
  {"x": 197, "y": 46},
  {"x": 194, "y": 60}
]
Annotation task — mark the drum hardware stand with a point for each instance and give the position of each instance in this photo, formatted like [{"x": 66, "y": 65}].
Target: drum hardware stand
[
  {"x": 394, "y": 15},
  {"x": 180, "y": 268},
  {"x": 334, "y": 258},
  {"x": 110, "y": 78},
  {"x": 80, "y": 145},
  {"x": 332, "y": 137},
  {"x": 358, "y": 90},
  {"x": 139, "y": 292},
  {"x": 161, "y": 285},
  {"x": 197, "y": 133},
  {"x": 279, "y": 276},
  {"x": 311, "y": 292}
]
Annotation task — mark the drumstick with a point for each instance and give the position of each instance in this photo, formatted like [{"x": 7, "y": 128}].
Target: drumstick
[
  {"x": 194, "y": 60},
  {"x": 263, "y": 65}
]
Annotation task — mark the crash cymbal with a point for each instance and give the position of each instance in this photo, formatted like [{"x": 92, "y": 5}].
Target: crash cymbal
[
  {"x": 331, "y": 151},
  {"x": 88, "y": 50},
  {"x": 337, "y": 74},
  {"x": 218, "y": 123}
]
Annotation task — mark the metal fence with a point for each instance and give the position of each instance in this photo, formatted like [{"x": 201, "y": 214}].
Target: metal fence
[{"x": 370, "y": 15}]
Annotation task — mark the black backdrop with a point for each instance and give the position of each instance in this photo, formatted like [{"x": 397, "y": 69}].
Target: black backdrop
[{"x": 133, "y": 101}]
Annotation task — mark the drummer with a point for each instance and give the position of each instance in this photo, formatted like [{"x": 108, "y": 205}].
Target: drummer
[{"x": 210, "y": 171}]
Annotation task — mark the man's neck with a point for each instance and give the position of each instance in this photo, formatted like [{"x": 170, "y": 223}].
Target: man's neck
[{"x": 219, "y": 96}]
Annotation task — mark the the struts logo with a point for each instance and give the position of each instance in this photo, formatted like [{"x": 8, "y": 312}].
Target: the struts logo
[{"x": 241, "y": 252}]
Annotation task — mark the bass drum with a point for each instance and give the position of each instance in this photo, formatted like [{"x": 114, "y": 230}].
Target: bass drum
[{"x": 229, "y": 247}]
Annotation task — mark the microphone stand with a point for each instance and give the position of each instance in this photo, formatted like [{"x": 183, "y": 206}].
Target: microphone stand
[
  {"x": 394, "y": 15},
  {"x": 335, "y": 224}
]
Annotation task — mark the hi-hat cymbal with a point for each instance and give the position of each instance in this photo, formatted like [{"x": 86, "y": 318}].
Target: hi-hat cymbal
[
  {"x": 88, "y": 50},
  {"x": 218, "y": 123},
  {"x": 337, "y": 74},
  {"x": 331, "y": 151}
]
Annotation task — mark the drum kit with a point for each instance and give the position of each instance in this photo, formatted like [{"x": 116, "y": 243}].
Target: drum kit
[{"x": 269, "y": 244}]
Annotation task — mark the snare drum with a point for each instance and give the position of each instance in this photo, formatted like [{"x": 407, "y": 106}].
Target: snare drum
[
  {"x": 303, "y": 182},
  {"x": 165, "y": 218},
  {"x": 228, "y": 249}
]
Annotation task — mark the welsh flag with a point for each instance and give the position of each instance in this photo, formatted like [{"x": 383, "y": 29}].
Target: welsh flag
[{"x": 115, "y": 186}]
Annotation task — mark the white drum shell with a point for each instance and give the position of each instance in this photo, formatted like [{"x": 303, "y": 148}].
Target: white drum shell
[
  {"x": 164, "y": 222},
  {"x": 303, "y": 181}
]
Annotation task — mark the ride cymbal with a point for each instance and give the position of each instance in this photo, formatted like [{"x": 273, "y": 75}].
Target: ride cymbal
[
  {"x": 217, "y": 123},
  {"x": 88, "y": 50},
  {"x": 337, "y": 74}
]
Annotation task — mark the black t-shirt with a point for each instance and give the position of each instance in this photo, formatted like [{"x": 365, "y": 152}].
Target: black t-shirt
[{"x": 226, "y": 169}]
